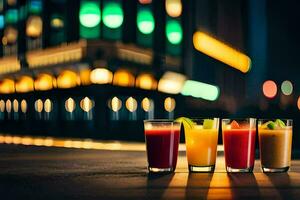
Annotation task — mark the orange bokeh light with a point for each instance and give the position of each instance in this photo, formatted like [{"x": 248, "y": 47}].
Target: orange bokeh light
[
  {"x": 298, "y": 103},
  {"x": 270, "y": 89}
]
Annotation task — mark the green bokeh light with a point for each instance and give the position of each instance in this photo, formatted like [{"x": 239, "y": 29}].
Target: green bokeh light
[
  {"x": 287, "y": 87},
  {"x": 200, "y": 90},
  {"x": 145, "y": 21},
  {"x": 113, "y": 15},
  {"x": 89, "y": 14},
  {"x": 174, "y": 32}
]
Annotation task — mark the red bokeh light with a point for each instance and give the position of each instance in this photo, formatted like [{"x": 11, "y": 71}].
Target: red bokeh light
[
  {"x": 270, "y": 89},
  {"x": 145, "y": 1}
]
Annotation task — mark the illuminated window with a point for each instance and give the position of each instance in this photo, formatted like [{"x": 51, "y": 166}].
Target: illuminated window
[
  {"x": 23, "y": 106},
  {"x": 169, "y": 104},
  {"x": 146, "y": 82},
  {"x": 48, "y": 106},
  {"x": 123, "y": 78},
  {"x": 70, "y": 105},
  {"x": 44, "y": 82},
  {"x": 171, "y": 83},
  {"x": 86, "y": 104},
  {"x": 287, "y": 87},
  {"x": 38, "y": 105},
  {"x": 174, "y": 8},
  {"x": 15, "y": 105},
  {"x": 112, "y": 15},
  {"x": 25, "y": 84},
  {"x": 67, "y": 79},
  {"x": 174, "y": 31},
  {"x": 34, "y": 26},
  {"x": 7, "y": 86},
  {"x": 89, "y": 14},
  {"x": 145, "y": 21},
  {"x": 8, "y": 106},
  {"x": 147, "y": 104},
  {"x": 101, "y": 76},
  {"x": 115, "y": 104},
  {"x": 269, "y": 89},
  {"x": 131, "y": 104}
]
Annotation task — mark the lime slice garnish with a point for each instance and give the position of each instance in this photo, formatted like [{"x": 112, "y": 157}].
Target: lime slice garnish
[
  {"x": 187, "y": 122},
  {"x": 208, "y": 124},
  {"x": 280, "y": 123},
  {"x": 272, "y": 125},
  {"x": 265, "y": 125}
]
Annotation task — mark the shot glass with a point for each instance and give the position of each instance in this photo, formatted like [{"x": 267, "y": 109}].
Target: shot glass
[
  {"x": 239, "y": 144},
  {"x": 275, "y": 144},
  {"x": 201, "y": 144},
  {"x": 162, "y": 141}
]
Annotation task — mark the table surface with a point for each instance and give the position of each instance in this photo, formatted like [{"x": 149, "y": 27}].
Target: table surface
[{"x": 61, "y": 173}]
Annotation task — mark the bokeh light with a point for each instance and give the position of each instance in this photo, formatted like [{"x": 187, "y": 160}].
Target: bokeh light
[
  {"x": 124, "y": 78},
  {"x": 145, "y": 21},
  {"x": 174, "y": 31},
  {"x": 115, "y": 104},
  {"x": 269, "y": 89},
  {"x": 298, "y": 103},
  {"x": 101, "y": 76},
  {"x": 113, "y": 15},
  {"x": 70, "y": 105},
  {"x": 287, "y": 87},
  {"x": 89, "y": 14},
  {"x": 200, "y": 90},
  {"x": 146, "y": 81},
  {"x": 174, "y": 8},
  {"x": 145, "y": 1},
  {"x": 131, "y": 104},
  {"x": 169, "y": 104},
  {"x": 34, "y": 26}
]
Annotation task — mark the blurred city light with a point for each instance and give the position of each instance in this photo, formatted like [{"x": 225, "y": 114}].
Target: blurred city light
[
  {"x": 221, "y": 51},
  {"x": 123, "y": 78},
  {"x": 7, "y": 86},
  {"x": 15, "y": 105},
  {"x": 25, "y": 84},
  {"x": 44, "y": 82},
  {"x": 146, "y": 81},
  {"x": 269, "y": 89},
  {"x": 173, "y": 8},
  {"x": 85, "y": 76},
  {"x": 145, "y": 1},
  {"x": 38, "y": 105},
  {"x": 171, "y": 82},
  {"x": 174, "y": 31},
  {"x": 48, "y": 105},
  {"x": 131, "y": 104},
  {"x": 67, "y": 79},
  {"x": 86, "y": 104},
  {"x": 101, "y": 76},
  {"x": 2, "y": 105},
  {"x": 287, "y": 87},
  {"x": 89, "y": 14},
  {"x": 8, "y": 106},
  {"x": 24, "y": 106},
  {"x": 70, "y": 105},
  {"x": 169, "y": 104},
  {"x": 200, "y": 90},
  {"x": 115, "y": 104},
  {"x": 113, "y": 15},
  {"x": 34, "y": 26},
  {"x": 147, "y": 104},
  {"x": 298, "y": 103},
  {"x": 145, "y": 21}
]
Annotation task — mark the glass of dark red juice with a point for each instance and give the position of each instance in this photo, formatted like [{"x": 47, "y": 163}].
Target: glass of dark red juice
[
  {"x": 162, "y": 141},
  {"x": 239, "y": 144}
]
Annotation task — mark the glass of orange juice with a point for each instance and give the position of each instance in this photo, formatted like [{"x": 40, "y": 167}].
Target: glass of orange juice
[{"x": 201, "y": 138}]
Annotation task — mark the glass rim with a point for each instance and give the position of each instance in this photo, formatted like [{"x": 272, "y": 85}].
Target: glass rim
[
  {"x": 161, "y": 120},
  {"x": 272, "y": 119},
  {"x": 247, "y": 118}
]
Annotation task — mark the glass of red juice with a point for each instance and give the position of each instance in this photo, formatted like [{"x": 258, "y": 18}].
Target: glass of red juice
[
  {"x": 162, "y": 141},
  {"x": 239, "y": 144}
]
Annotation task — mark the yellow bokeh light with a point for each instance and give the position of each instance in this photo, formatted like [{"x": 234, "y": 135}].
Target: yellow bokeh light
[
  {"x": 38, "y": 105},
  {"x": 15, "y": 105},
  {"x": 57, "y": 23},
  {"x": 131, "y": 104},
  {"x": 10, "y": 35},
  {"x": 8, "y": 106},
  {"x": 222, "y": 52},
  {"x": 86, "y": 104},
  {"x": 85, "y": 76},
  {"x": 174, "y": 8},
  {"x": 147, "y": 104},
  {"x": 171, "y": 82},
  {"x": 123, "y": 78},
  {"x": 24, "y": 106},
  {"x": 101, "y": 76},
  {"x": 44, "y": 82},
  {"x": 7, "y": 86},
  {"x": 70, "y": 105},
  {"x": 169, "y": 104},
  {"x": 67, "y": 79},
  {"x": 34, "y": 26},
  {"x": 146, "y": 81},
  {"x": 48, "y": 106},
  {"x": 116, "y": 104},
  {"x": 25, "y": 84},
  {"x": 2, "y": 105}
]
